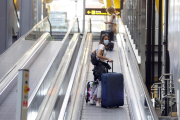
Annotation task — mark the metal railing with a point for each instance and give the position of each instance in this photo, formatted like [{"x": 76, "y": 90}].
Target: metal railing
[
  {"x": 38, "y": 87},
  {"x": 10, "y": 79},
  {"x": 44, "y": 21},
  {"x": 42, "y": 28},
  {"x": 72, "y": 79},
  {"x": 158, "y": 91},
  {"x": 24, "y": 38},
  {"x": 48, "y": 77},
  {"x": 160, "y": 87},
  {"x": 141, "y": 89}
]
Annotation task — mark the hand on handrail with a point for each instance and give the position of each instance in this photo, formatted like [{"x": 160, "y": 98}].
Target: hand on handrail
[{"x": 108, "y": 23}]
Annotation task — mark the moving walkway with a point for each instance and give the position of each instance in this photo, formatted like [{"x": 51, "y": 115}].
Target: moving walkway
[
  {"x": 37, "y": 52},
  {"x": 59, "y": 71},
  {"x": 69, "y": 103}
]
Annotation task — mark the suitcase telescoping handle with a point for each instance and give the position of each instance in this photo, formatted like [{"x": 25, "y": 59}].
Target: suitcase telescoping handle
[{"x": 112, "y": 65}]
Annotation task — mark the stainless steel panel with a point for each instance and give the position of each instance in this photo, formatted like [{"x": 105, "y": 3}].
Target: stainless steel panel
[
  {"x": 136, "y": 89},
  {"x": 134, "y": 80},
  {"x": 13, "y": 55},
  {"x": 79, "y": 100},
  {"x": 37, "y": 68},
  {"x": 63, "y": 90},
  {"x": 10, "y": 79},
  {"x": 47, "y": 79},
  {"x": 42, "y": 87},
  {"x": 74, "y": 103},
  {"x": 174, "y": 49},
  {"x": 59, "y": 83}
]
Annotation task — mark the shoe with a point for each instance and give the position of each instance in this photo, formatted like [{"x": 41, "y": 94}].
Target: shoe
[
  {"x": 98, "y": 104},
  {"x": 92, "y": 102}
]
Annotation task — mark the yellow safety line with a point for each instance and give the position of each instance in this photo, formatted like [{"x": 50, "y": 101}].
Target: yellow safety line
[{"x": 157, "y": 5}]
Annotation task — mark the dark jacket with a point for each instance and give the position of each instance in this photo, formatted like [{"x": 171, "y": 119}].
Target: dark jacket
[{"x": 99, "y": 69}]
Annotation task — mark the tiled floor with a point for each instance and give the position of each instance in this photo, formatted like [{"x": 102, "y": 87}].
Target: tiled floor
[{"x": 91, "y": 112}]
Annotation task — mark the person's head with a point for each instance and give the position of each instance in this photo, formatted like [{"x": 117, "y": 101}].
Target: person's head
[
  {"x": 111, "y": 10},
  {"x": 104, "y": 39}
]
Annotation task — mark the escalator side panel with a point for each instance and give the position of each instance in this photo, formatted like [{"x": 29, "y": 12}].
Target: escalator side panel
[
  {"x": 13, "y": 55},
  {"x": 33, "y": 109},
  {"x": 37, "y": 68},
  {"x": 60, "y": 99},
  {"x": 10, "y": 80}
]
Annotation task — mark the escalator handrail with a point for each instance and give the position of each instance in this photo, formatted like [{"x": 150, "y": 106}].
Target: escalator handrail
[
  {"x": 31, "y": 98},
  {"x": 69, "y": 29},
  {"x": 68, "y": 92},
  {"x": 7, "y": 73},
  {"x": 40, "y": 42},
  {"x": 22, "y": 37},
  {"x": 49, "y": 101},
  {"x": 67, "y": 34},
  {"x": 144, "y": 88}
]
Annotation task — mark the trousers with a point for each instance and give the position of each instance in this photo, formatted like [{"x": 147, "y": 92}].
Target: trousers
[{"x": 98, "y": 90}]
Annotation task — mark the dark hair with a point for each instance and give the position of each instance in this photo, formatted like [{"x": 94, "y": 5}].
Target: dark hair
[{"x": 102, "y": 38}]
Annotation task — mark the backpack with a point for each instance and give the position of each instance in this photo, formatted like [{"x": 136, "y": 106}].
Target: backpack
[
  {"x": 94, "y": 60},
  {"x": 111, "y": 46}
]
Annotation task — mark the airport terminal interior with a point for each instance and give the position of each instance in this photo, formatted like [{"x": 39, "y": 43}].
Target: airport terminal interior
[{"x": 46, "y": 49}]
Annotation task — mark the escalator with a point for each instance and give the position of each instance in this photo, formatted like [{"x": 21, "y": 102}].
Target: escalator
[
  {"x": 59, "y": 71},
  {"x": 94, "y": 113},
  {"x": 37, "y": 68},
  {"x": 37, "y": 52},
  {"x": 69, "y": 101}
]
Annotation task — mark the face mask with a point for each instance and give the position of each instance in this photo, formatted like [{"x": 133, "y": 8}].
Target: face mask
[{"x": 106, "y": 42}]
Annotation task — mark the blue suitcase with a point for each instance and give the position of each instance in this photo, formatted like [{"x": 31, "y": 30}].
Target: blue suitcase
[
  {"x": 110, "y": 33},
  {"x": 112, "y": 93},
  {"x": 111, "y": 46}
]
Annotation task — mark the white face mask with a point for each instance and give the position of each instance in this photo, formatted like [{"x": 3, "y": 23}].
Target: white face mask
[{"x": 106, "y": 42}]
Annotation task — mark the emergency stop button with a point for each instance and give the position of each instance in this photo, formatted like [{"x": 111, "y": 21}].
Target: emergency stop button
[{"x": 26, "y": 89}]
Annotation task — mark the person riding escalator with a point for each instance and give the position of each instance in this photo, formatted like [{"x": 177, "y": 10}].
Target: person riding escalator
[{"x": 101, "y": 67}]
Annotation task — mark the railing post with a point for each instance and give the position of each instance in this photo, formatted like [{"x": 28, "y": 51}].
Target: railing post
[
  {"x": 22, "y": 94},
  {"x": 90, "y": 26},
  {"x": 78, "y": 25},
  {"x": 50, "y": 26},
  {"x": 84, "y": 4}
]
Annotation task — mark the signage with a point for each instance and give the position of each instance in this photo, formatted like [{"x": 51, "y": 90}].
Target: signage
[
  {"x": 98, "y": 11},
  {"x": 58, "y": 20}
]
